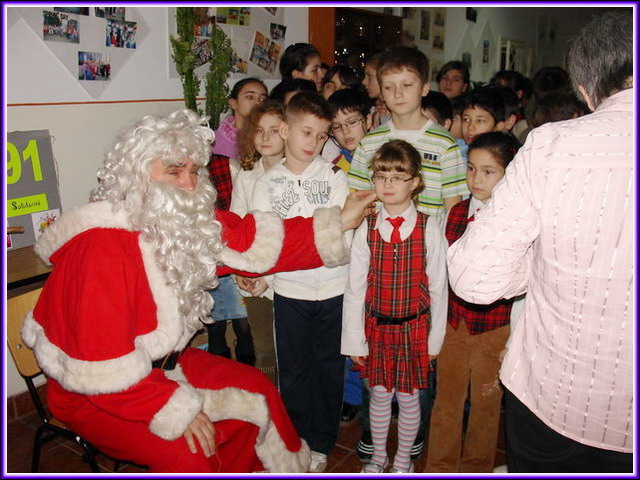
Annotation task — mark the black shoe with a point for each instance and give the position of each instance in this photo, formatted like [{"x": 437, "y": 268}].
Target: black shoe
[
  {"x": 364, "y": 447},
  {"x": 348, "y": 413},
  {"x": 418, "y": 447}
]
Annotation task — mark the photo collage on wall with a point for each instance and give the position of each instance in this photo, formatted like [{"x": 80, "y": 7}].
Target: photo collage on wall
[{"x": 62, "y": 25}]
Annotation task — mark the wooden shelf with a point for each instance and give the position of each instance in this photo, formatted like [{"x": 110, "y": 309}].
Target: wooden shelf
[{"x": 25, "y": 271}]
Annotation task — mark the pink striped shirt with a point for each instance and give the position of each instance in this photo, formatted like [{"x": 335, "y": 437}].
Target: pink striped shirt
[{"x": 560, "y": 226}]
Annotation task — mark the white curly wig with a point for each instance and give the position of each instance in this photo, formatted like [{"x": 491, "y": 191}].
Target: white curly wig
[{"x": 179, "y": 223}]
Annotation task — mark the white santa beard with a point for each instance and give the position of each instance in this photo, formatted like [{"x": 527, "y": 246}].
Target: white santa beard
[{"x": 182, "y": 227}]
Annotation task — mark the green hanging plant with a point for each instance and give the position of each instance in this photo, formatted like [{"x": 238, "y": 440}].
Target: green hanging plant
[
  {"x": 183, "y": 56},
  {"x": 217, "y": 91}
]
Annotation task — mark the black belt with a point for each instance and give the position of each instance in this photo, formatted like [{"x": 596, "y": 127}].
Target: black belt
[
  {"x": 168, "y": 362},
  {"x": 385, "y": 320}
]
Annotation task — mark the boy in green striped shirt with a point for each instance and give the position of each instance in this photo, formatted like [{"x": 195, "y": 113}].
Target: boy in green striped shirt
[{"x": 403, "y": 78}]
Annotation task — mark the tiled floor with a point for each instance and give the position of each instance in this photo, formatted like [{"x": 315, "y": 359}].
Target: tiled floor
[{"x": 65, "y": 457}]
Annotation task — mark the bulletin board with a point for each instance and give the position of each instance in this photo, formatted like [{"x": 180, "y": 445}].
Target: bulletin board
[
  {"x": 93, "y": 43},
  {"x": 257, "y": 36},
  {"x": 33, "y": 198}
]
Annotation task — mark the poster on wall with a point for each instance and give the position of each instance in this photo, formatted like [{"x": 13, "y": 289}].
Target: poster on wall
[
  {"x": 234, "y": 16},
  {"x": 485, "y": 51},
  {"x": 33, "y": 199},
  {"x": 121, "y": 34},
  {"x": 425, "y": 24},
  {"x": 265, "y": 53},
  {"x": 113, "y": 13},
  {"x": 73, "y": 10},
  {"x": 204, "y": 21},
  {"x": 439, "y": 23},
  {"x": 277, "y": 32},
  {"x": 59, "y": 27},
  {"x": 93, "y": 66}
]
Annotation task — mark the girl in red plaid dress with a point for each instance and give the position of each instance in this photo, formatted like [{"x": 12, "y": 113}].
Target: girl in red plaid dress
[
  {"x": 395, "y": 303},
  {"x": 475, "y": 336}
]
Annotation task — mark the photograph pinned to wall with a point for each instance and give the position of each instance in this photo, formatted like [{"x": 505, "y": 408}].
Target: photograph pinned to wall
[
  {"x": 409, "y": 13},
  {"x": 472, "y": 14},
  {"x": 485, "y": 51},
  {"x": 407, "y": 38},
  {"x": 42, "y": 220},
  {"x": 73, "y": 10},
  {"x": 440, "y": 16},
  {"x": 272, "y": 10},
  {"x": 244, "y": 20},
  {"x": 233, "y": 16},
  {"x": 277, "y": 32},
  {"x": 221, "y": 14},
  {"x": 435, "y": 66},
  {"x": 59, "y": 27},
  {"x": 93, "y": 66},
  {"x": 115, "y": 13},
  {"x": 204, "y": 21},
  {"x": 425, "y": 24},
  {"x": 263, "y": 54},
  {"x": 238, "y": 65},
  {"x": 121, "y": 34},
  {"x": 438, "y": 40},
  {"x": 466, "y": 59},
  {"x": 201, "y": 48}
]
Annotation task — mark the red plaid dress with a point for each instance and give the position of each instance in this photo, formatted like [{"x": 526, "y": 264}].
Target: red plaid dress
[
  {"x": 479, "y": 318},
  {"x": 397, "y": 286}
]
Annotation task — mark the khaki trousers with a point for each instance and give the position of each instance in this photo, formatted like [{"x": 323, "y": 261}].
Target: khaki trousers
[{"x": 466, "y": 364}]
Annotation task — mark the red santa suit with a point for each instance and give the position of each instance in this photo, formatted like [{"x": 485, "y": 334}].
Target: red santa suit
[{"x": 106, "y": 312}]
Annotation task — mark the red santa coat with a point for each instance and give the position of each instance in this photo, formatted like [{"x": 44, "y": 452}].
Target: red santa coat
[{"x": 106, "y": 313}]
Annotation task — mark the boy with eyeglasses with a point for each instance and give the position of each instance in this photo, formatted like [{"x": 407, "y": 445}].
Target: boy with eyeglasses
[{"x": 351, "y": 120}]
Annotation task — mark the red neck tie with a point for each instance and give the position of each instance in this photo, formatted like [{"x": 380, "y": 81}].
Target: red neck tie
[{"x": 396, "y": 222}]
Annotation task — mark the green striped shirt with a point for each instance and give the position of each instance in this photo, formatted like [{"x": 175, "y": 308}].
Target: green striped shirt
[{"x": 443, "y": 168}]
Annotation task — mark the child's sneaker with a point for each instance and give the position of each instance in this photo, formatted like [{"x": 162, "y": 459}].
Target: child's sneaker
[
  {"x": 318, "y": 462},
  {"x": 397, "y": 470}
]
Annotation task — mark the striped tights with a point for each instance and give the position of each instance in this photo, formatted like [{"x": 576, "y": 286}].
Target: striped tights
[{"x": 408, "y": 425}]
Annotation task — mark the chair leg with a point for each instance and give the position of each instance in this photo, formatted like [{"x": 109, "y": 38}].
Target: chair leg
[
  {"x": 89, "y": 454},
  {"x": 37, "y": 444}
]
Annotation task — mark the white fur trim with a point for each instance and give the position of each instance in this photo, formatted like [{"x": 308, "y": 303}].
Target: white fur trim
[
  {"x": 81, "y": 376},
  {"x": 265, "y": 249},
  {"x": 327, "y": 232},
  {"x": 76, "y": 221},
  {"x": 170, "y": 334},
  {"x": 235, "y": 403},
  {"x": 174, "y": 417}
]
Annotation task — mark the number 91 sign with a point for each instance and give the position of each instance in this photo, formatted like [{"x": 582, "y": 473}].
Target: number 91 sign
[{"x": 33, "y": 200}]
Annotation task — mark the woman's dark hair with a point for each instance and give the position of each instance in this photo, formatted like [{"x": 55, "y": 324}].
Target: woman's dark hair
[
  {"x": 454, "y": 65},
  {"x": 238, "y": 86},
  {"x": 601, "y": 56},
  {"x": 502, "y": 146},
  {"x": 295, "y": 58},
  {"x": 294, "y": 85}
]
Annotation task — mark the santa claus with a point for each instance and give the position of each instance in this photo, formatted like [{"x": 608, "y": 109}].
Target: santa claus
[{"x": 128, "y": 292}]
